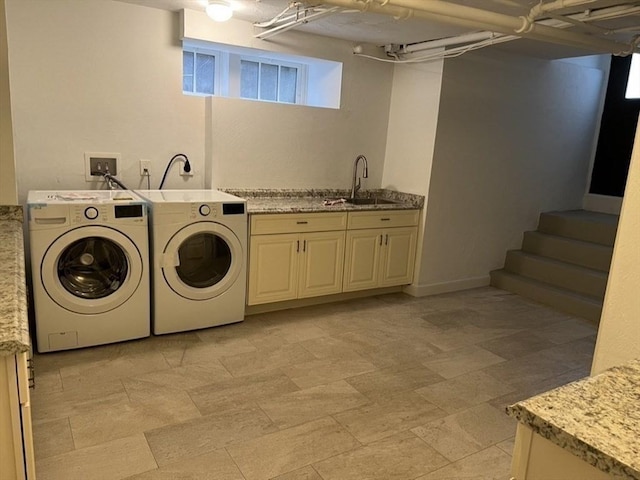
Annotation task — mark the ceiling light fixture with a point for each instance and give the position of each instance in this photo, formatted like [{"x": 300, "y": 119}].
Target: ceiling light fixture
[{"x": 219, "y": 10}]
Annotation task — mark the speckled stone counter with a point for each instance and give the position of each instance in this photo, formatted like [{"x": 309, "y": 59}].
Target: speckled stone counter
[
  {"x": 597, "y": 419},
  {"x": 299, "y": 201},
  {"x": 14, "y": 326}
]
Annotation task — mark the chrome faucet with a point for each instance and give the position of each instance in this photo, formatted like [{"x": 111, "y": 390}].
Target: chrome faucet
[{"x": 365, "y": 174}]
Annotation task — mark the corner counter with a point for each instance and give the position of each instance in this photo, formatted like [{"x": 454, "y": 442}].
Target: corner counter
[{"x": 589, "y": 429}]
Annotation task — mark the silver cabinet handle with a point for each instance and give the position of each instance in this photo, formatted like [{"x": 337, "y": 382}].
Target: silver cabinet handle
[
  {"x": 302, "y": 222},
  {"x": 386, "y": 239},
  {"x": 381, "y": 239},
  {"x": 385, "y": 219},
  {"x": 304, "y": 245},
  {"x": 298, "y": 246}
]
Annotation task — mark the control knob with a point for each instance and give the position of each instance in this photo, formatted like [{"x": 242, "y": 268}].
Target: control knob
[
  {"x": 205, "y": 210},
  {"x": 91, "y": 213}
]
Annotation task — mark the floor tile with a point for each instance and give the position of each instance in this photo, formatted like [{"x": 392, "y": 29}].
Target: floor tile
[
  {"x": 516, "y": 345},
  {"x": 567, "y": 330},
  {"x": 399, "y": 457},
  {"x": 507, "y": 445},
  {"x": 389, "y": 416},
  {"x": 98, "y": 426},
  {"x": 305, "y": 473},
  {"x": 84, "y": 375},
  {"x": 463, "y": 360},
  {"x": 52, "y": 438},
  {"x": 400, "y": 352},
  {"x": 287, "y": 450},
  {"x": 318, "y": 372},
  {"x": 464, "y": 391},
  {"x": 185, "y": 377},
  {"x": 113, "y": 460},
  {"x": 216, "y": 465},
  {"x": 205, "y": 434},
  {"x": 393, "y": 380},
  {"x": 461, "y": 434},
  {"x": 312, "y": 403},
  {"x": 239, "y": 391},
  {"x": 46, "y": 406},
  {"x": 265, "y": 360},
  {"x": 49, "y": 381},
  {"x": 489, "y": 464},
  {"x": 207, "y": 351}
]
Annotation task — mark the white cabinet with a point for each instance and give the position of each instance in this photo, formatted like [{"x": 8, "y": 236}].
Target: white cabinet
[
  {"x": 380, "y": 257},
  {"x": 295, "y": 256},
  {"x": 16, "y": 440}
]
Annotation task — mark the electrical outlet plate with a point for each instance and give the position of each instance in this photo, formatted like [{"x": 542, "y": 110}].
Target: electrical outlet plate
[
  {"x": 145, "y": 165},
  {"x": 102, "y": 159},
  {"x": 185, "y": 174}
]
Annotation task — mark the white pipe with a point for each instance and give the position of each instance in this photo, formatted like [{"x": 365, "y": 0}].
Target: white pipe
[
  {"x": 288, "y": 26},
  {"x": 560, "y": 22},
  {"x": 475, "y": 19}
]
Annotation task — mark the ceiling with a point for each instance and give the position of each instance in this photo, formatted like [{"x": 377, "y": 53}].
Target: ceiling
[{"x": 382, "y": 29}]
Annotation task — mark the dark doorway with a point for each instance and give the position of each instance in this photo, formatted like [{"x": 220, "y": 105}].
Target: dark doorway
[{"x": 617, "y": 129}]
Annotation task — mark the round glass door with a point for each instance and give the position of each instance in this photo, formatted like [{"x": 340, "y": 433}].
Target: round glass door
[
  {"x": 93, "y": 267},
  {"x": 91, "y": 270},
  {"x": 205, "y": 259},
  {"x": 202, "y": 260}
]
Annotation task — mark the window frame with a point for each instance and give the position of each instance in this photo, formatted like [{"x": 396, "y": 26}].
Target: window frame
[
  {"x": 301, "y": 77},
  {"x": 218, "y": 76}
]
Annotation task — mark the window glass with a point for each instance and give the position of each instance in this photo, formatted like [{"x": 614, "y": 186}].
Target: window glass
[
  {"x": 205, "y": 73},
  {"x": 268, "y": 82},
  {"x": 288, "y": 84},
  {"x": 187, "y": 71},
  {"x": 248, "y": 79}
]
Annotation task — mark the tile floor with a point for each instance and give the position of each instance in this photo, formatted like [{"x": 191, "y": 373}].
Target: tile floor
[{"x": 388, "y": 387}]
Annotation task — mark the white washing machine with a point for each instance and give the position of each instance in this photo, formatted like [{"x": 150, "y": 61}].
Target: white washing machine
[
  {"x": 199, "y": 259},
  {"x": 90, "y": 267}
]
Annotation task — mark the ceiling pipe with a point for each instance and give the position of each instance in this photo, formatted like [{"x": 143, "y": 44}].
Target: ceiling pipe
[
  {"x": 476, "y": 19},
  {"x": 294, "y": 23},
  {"x": 560, "y": 22}
]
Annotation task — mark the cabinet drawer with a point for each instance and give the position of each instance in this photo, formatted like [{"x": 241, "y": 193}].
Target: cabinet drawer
[
  {"x": 297, "y": 222},
  {"x": 382, "y": 219}
]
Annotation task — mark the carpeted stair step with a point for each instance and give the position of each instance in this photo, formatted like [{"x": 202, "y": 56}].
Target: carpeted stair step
[
  {"x": 580, "y": 224},
  {"x": 586, "y": 254}
]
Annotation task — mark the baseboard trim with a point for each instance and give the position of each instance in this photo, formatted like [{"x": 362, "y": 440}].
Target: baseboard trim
[
  {"x": 307, "y": 302},
  {"x": 446, "y": 287},
  {"x": 602, "y": 203}
]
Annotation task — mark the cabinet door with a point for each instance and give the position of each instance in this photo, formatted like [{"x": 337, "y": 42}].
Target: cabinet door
[
  {"x": 273, "y": 268},
  {"x": 398, "y": 256},
  {"x": 321, "y": 264},
  {"x": 362, "y": 259}
]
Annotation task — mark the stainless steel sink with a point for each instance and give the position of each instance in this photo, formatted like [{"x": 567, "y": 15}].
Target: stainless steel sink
[{"x": 370, "y": 201}]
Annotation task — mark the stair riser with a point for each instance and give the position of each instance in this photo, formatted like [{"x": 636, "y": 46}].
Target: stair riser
[
  {"x": 557, "y": 274},
  {"x": 580, "y": 230},
  {"x": 565, "y": 303},
  {"x": 587, "y": 255}
]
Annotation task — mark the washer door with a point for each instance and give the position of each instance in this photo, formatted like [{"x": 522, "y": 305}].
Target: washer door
[
  {"x": 91, "y": 270},
  {"x": 202, "y": 260}
]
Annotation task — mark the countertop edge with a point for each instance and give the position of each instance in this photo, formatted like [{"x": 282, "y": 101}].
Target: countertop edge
[
  {"x": 14, "y": 324},
  {"x": 596, "y": 419}
]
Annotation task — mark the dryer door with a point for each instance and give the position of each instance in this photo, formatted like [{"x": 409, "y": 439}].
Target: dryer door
[
  {"x": 91, "y": 270},
  {"x": 202, "y": 260}
]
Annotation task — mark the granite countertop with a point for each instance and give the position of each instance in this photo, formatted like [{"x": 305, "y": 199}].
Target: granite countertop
[
  {"x": 14, "y": 325},
  {"x": 302, "y": 201},
  {"x": 596, "y": 418}
]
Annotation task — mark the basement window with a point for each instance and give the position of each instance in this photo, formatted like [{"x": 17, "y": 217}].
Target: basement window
[
  {"x": 246, "y": 73},
  {"x": 633, "y": 84}
]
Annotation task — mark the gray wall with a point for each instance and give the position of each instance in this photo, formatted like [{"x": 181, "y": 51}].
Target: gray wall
[{"x": 514, "y": 138}]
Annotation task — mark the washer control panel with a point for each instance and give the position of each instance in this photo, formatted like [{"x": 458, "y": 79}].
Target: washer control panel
[
  {"x": 91, "y": 213},
  {"x": 207, "y": 210}
]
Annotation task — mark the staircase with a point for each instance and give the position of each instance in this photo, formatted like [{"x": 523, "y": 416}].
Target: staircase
[{"x": 563, "y": 264}]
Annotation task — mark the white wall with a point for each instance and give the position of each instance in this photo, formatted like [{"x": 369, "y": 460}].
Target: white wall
[
  {"x": 514, "y": 139},
  {"x": 413, "y": 118},
  {"x": 267, "y": 145},
  {"x": 99, "y": 76},
  {"x": 8, "y": 189},
  {"x": 619, "y": 332}
]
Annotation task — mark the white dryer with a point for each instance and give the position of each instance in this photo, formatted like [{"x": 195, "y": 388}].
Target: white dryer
[
  {"x": 90, "y": 267},
  {"x": 199, "y": 259}
]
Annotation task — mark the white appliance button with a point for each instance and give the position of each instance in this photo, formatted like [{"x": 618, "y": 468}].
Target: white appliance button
[
  {"x": 91, "y": 213},
  {"x": 205, "y": 210}
]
